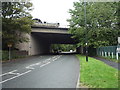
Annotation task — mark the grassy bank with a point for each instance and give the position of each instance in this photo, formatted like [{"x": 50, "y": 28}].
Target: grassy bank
[{"x": 96, "y": 74}]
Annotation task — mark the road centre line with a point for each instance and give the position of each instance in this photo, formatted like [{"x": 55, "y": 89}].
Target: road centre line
[
  {"x": 56, "y": 58},
  {"x": 15, "y": 76},
  {"x": 45, "y": 64},
  {"x": 50, "y": 62},
  {"x": 31, "y": 66}
]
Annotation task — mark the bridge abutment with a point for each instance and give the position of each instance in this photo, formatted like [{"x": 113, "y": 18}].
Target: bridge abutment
[{"x": 35, "y": 46}]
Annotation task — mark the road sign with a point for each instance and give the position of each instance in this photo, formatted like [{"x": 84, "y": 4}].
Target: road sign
[{"x": 9, "y": 45}]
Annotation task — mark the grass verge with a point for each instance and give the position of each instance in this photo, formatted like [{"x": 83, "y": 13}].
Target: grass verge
[{"x": 96, "y": 74}]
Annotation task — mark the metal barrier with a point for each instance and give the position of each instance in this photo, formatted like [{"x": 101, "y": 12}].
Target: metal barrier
[{"x": 108, "y": 51}]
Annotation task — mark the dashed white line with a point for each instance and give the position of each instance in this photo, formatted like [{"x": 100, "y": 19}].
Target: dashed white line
[
  {"x": 45, "y": 64},
  {"x": 31, "y": 66}
]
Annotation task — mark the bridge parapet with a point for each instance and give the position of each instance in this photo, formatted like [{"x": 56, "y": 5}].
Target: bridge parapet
[
  {"x": 49, "y": 29},
  {"x": 46, "y": 24}
]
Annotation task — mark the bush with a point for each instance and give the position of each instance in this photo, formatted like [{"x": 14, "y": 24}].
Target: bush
[
  {"x": 14, "y": 55},
  {"x": 5, "y": 55}
]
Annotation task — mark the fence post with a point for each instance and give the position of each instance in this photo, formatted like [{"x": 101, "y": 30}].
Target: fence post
[
  {"x": 102, "y": 53},
  {"x": 108, "y": 53},
  {"x": 117, "y": 55},
  {"x": 112, "y": 54},
  {"x": 105, "y": 54}
]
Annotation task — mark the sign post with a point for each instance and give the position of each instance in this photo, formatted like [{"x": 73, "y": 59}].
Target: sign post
[
  {"x": 118, "y": 40},
  {"x": 9, "y": 46},
  {"x": 118, "y": 49}
]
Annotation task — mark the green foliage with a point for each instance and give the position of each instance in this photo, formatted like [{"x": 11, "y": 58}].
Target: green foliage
[
  {"x": 16, "y": 22},
  {"x": 96, "y": 74},
  {"x": 5, "y": 55},
  {"x": 102, "y": 26},
  {"x": 63, "y": 47}
]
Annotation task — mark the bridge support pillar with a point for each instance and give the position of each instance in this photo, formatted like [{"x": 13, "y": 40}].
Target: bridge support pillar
[{"x": 35, "y": 46}]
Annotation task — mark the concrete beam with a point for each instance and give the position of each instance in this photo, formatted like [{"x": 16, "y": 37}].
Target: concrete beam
[{"x": 50, "y": 31}]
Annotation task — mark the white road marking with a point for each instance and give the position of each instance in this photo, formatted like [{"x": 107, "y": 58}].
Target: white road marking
[
  {"x": 38, "y": 63},
  {"x": 8, "y": 73},
  {"x": 47, "y": 61},
  {"x": 31, "y": 66},
  {"x": 14, "y": 73},
  {"x": 45, "y": 64},
  {"x": 15, "y": 76},
  {"x": 57, "y": 58}
]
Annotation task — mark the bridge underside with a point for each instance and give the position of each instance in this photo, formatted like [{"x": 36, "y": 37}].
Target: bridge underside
[
  {"x": 41, "y": 42},
  {"x": 42, "y": 38},
  {"x": 54, "y": 38}
]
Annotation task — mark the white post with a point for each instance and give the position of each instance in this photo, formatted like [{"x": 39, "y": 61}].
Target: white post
[
  {"x": 102, "y": 53},
  {"x": 117, "y": 55},
  {"x": 105, "y": 54},
  {"x": 112, "y": 54},
  {"x": 108, "y": 53}
]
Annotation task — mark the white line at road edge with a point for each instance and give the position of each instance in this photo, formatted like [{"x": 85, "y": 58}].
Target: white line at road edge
[
  {"x": 78, "y": 82},
  {"x": 15, "y": 76}
]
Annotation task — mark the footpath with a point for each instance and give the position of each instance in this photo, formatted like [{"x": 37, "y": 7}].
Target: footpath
[{"x": 110, "y": 63}]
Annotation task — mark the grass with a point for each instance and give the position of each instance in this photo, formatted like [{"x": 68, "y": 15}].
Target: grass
[{"x": 96, "y": 74}]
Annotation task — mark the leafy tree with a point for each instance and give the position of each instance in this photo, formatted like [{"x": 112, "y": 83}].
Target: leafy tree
[
  {"x": 102, "y": 23},
  {"x": 16, "y": 21}
]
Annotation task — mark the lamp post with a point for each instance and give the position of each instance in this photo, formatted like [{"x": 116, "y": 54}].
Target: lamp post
[
  {"x": 9, "y": 46},
  {"x": 86, "y": 39}
]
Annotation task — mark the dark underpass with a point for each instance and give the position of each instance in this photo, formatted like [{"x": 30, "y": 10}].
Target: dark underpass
[{"x": 43, "y": 37}]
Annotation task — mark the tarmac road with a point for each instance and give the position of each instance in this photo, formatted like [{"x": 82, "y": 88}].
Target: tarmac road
[{"x": 47, "y": 71}]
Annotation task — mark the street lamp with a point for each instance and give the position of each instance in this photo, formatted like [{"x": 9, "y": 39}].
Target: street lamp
[{"x": 86, "y": 39}]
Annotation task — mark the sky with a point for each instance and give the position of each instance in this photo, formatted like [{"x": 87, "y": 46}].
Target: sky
[{"x": 52, "y": 11}]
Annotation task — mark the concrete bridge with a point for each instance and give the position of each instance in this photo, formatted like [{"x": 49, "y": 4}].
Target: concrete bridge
[{"x": 41, "y": 38}]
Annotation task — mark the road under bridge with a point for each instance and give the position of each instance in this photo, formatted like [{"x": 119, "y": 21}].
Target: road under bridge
[{"x": 41, "y": 39}]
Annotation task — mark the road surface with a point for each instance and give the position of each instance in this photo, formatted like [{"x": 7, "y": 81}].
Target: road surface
[{"x": 47, "y": 71}]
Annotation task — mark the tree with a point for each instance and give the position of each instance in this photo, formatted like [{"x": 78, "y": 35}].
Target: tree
[
  {"x": 102, "y": 23},
  {"x": 16, "y": 21},
  {"x": 63, "y": 47}
]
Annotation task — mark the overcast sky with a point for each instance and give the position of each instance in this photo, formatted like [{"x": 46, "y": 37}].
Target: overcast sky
[{"x": 52, "y": 11}]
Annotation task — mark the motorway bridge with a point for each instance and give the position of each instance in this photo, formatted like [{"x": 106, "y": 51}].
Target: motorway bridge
[{"x": 42, "y": 37}]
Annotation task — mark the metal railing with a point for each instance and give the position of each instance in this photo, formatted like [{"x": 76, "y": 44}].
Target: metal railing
[{"x": 108, "y": 51}]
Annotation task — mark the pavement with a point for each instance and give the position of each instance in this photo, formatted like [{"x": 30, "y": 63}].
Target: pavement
[
  {"x": 45, "y": 71},
  {"x": 110, "y": 63}
]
